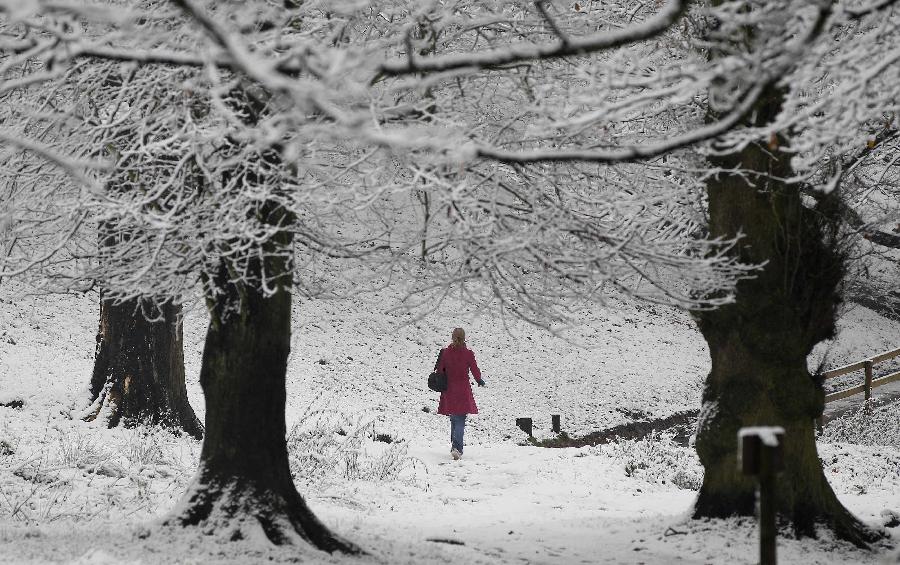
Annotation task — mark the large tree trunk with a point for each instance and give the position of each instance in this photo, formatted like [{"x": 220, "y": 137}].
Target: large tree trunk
[
  {"x": 139, "y": 367},
  {"x": 759, "y": 344},
  {"x": 244, "y": 482}
]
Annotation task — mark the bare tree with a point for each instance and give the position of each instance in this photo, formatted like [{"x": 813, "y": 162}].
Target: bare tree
[{"x": 138, "y": 374}]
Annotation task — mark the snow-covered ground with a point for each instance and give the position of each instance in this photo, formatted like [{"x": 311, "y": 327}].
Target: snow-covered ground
[{"x": 72, "y": 492}]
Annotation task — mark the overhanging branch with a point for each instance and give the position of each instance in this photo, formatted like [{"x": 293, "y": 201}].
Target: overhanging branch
[
  {"x": 494, "y": 58},
  {"x": 633, "y": 153}
]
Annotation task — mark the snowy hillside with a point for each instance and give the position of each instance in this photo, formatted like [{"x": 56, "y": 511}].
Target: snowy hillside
[{"x": 65, "y": 483}]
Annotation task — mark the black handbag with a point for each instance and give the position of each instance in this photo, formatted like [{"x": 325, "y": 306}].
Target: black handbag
[{"x": 437, "y": 381}]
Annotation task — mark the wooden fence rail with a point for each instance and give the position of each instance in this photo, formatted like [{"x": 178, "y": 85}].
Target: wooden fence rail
[{"x": 869, "y": 382}]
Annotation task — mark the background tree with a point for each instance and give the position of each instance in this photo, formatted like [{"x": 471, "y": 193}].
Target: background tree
[{"x": 138, "y": 374}]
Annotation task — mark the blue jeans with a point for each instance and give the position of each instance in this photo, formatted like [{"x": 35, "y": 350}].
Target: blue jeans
[{"x": 457, "y": 428}]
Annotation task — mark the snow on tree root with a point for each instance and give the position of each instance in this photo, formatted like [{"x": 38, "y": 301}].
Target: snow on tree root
[{"x": 238, "y": 511}]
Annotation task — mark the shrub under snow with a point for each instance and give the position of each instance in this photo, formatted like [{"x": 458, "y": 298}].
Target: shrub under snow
[
  {"x": 325, "y": 445},
  {"x": 657, "y": 458},
  {"x": 866, "y": 425}
]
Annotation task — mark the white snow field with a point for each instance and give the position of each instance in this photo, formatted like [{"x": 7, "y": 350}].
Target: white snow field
[{"x": 73, "y": 492}]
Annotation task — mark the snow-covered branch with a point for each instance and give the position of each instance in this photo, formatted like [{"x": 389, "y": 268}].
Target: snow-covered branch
[
  {"x": 638, "y": 152},
  {"x": 564, "y": 46}
]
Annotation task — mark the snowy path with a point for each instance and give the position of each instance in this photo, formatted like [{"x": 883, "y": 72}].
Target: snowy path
[
  {"x": 511, "y": 504},
  {"x": 523, "y": 504}
]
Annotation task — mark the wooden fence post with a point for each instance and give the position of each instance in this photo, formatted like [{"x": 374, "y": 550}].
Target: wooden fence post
[
  {"x": 868, "y": 386},
  {"x": 869, "y": 383},
  {"x": 525, "y": 425},
  {"x": 554, "y": 419},
  {"x": 761, "y": 454},
  {"x": 767, "y": 528}
]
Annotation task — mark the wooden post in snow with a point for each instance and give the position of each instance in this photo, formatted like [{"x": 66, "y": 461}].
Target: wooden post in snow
[
  {"x": 525, "y": 424},
  {"x": 761, "y": 454},
  {"x": 867, "y": 391}
]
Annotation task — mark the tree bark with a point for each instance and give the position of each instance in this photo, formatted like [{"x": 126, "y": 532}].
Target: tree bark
[
  {"x": 759, "y": 344},
  {"x": 139, "y": 368},
  {"x": 244, "y": 482}
]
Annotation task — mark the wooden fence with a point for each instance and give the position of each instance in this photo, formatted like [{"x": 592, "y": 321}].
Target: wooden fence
[{"x": 866, "y": 365}]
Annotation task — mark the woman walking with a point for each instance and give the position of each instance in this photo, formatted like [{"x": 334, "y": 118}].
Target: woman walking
[{"x": 456, "y": 360}]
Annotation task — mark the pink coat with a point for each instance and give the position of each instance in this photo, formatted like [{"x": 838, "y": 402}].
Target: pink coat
[{"x": 458, "y": 399}]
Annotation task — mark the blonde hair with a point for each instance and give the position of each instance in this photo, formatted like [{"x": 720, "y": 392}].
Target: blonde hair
[{"x": 458, "y": 337}]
